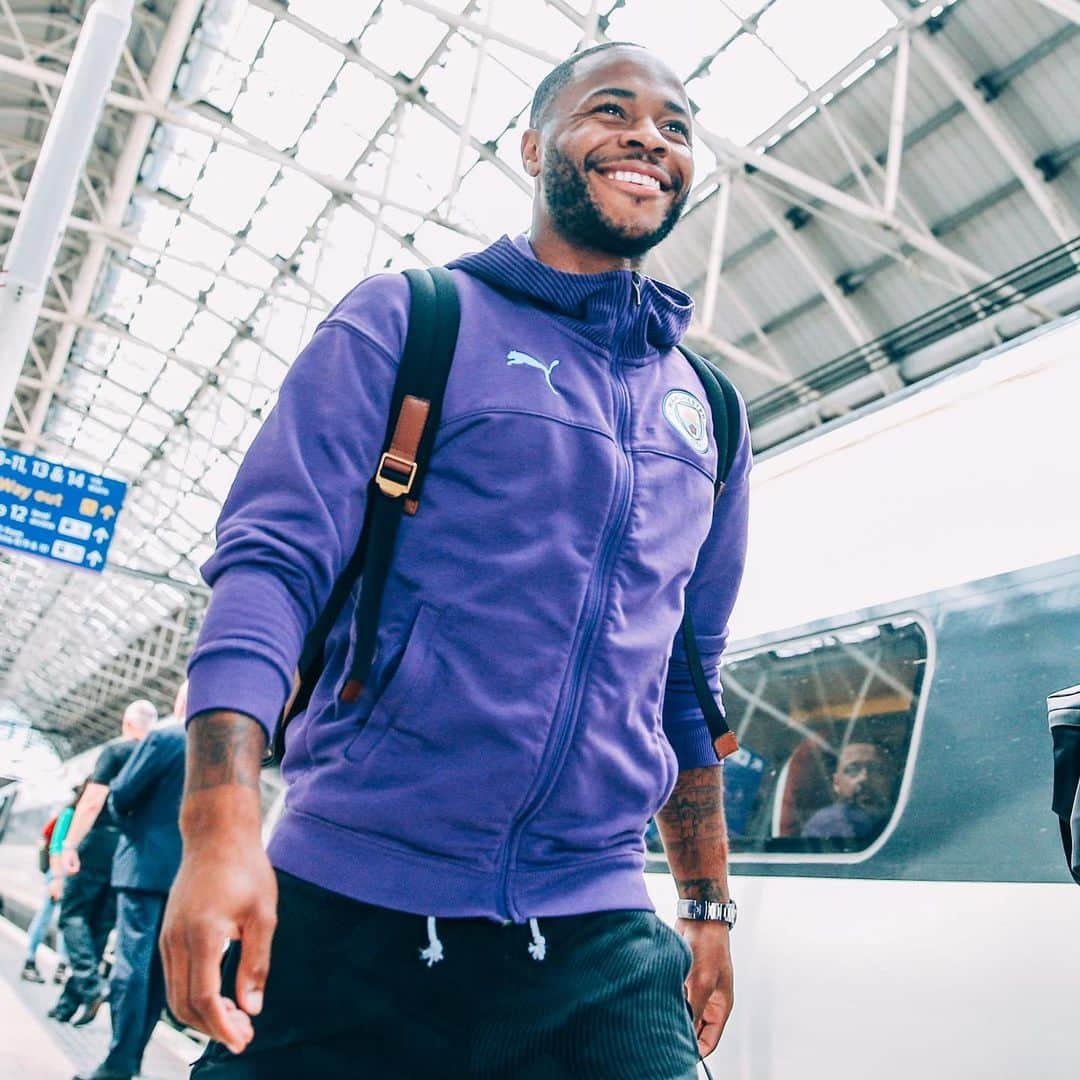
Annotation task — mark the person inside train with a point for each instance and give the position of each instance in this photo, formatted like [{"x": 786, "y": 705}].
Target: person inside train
[{"x": 862, "y": 784}]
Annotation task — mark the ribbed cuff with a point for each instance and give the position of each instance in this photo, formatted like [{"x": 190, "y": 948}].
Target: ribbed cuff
[
  {"x": 692, "y": 746},
  {"x": 237, "y": 682}
]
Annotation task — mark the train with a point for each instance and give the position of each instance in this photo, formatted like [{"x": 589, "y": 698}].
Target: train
[{"x": 913, "y": 585}]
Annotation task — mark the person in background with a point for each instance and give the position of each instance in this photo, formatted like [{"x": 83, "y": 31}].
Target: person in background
[
  {"x": 145, "y": 798},
  {"x": 52, "y": 843},
  {"x": 88, "y": 905},
  {"x": 862, "y": 783}
]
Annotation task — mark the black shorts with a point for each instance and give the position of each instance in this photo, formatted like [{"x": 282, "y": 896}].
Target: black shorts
[{"x": 350, "y": 995}]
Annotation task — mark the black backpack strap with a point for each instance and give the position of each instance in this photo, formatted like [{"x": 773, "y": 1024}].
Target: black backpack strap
[
  {"x": 395, "y": 489},
  {"x": 399, "y": 479},
  {"x": 727, "y": 433},
  {"x": 726, "y": 416}
]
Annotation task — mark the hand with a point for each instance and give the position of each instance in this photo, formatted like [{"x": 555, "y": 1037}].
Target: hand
[
  {"x": 225, "y": 890},
  {"x": 56, "y": 888},
  {"x": 69, "y": 861},
  {"x": 710, "y": 986}
]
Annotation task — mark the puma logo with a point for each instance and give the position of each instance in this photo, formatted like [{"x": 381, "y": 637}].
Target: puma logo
[{"x": 514, "y": 357}]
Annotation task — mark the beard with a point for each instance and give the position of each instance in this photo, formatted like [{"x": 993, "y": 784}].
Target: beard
[{"x": 578, "y": 218}]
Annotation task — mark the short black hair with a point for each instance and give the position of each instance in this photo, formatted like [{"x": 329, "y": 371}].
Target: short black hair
[{"x": 559, "y": 76}]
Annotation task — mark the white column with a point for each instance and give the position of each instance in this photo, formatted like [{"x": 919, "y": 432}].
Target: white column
[{"x": 51, "y": 194}]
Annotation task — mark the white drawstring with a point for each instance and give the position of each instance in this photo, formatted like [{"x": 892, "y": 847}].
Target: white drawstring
[
  {"x": 538, "y": 946},
  {"x": 434, "y": 951},
  {"x": 433, "y": 954}
]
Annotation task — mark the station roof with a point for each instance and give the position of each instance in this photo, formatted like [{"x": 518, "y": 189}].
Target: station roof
[{"x": 860, "y": 163}]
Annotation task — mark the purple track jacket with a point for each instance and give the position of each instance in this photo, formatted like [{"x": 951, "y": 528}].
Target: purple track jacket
[{"x": 527, "y": 710}]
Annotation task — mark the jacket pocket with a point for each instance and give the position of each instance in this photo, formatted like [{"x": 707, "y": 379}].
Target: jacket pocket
[{"x": 408, "y": 687}]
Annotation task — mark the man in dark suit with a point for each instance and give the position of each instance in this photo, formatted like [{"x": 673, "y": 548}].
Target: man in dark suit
[{"x": 145, "y": 798}]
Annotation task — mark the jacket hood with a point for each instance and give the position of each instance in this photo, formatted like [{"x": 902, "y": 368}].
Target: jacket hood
[{"x": 620, "y": 310}]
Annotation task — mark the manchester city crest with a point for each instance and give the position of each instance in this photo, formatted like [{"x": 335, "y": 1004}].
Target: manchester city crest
[{"x": 686, "y": 415}]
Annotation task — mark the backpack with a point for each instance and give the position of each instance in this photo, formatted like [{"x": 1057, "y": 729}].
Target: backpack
[
  {"x": 46, "y": 841},
  {"x": 398, "y": 482},
  {"x": 1063, "y": 711}
]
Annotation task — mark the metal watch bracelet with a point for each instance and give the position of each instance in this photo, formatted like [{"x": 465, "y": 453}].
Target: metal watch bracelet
[{"x": 708, "y": 911}]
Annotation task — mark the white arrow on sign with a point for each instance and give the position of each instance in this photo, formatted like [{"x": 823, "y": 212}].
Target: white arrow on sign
[
  {"x": 93, "y": 558},
  {"x": 100, "y": 535}
]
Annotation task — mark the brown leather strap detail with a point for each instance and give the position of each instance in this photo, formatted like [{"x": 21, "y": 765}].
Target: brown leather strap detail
[
  {"x": 408, "y": 430},
  {"x": 351, "y": 691},
  {"x": 725, "y": 745}
]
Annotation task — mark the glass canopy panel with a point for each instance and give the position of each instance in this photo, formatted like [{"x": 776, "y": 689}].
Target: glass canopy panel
[
  {"x": 239, "y": 252},
  {"x": 746, "y": 89},
  {"x": 401, "y": 38},
  {"x": 815, "y": 42},
  {"x": 682, "y": 33}
]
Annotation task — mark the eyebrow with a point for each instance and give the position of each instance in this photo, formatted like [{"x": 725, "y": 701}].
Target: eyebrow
[{"x": 629, "y": 95}]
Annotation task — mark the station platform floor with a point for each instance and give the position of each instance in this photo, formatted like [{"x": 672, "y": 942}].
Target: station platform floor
[{"x": 33, "y": 1047}]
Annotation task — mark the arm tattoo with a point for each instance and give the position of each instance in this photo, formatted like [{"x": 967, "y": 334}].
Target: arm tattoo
[
  {"x": 701, "y": 888},
  {"x": 224, "y": 748},
  {"x": 695, "y": 835}
]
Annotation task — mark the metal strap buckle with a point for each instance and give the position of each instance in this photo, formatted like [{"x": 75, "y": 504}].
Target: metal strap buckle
[{"x": 395, "y": 488}]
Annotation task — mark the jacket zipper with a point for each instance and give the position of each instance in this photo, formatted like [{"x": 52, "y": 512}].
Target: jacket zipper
[{"x": 594, "y": 597}]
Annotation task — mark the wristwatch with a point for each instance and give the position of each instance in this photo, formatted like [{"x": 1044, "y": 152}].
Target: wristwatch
[{"x": 708, "y": 911}]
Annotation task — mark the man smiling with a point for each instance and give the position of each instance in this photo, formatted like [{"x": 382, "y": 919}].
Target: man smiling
[{"x": 457, "y": 880}]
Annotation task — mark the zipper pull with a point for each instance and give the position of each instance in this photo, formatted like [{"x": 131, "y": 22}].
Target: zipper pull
[{"x": 635, "y": 282}]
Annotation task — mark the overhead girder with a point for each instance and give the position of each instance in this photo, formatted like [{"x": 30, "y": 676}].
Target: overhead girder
[
  {"x": 290, "y": 164},
  {"x": 159, "y": 86},
  {"x": 805, "y": 256},
  {"x": 405, "y": 88},
  {"x": 482, "y": 31},
  {"x": 950, "y": 69},
  {"x": 225, "y": 132}
]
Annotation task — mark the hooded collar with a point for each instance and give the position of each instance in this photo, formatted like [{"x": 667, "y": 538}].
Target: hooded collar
[{"x": 621, "y": 311}]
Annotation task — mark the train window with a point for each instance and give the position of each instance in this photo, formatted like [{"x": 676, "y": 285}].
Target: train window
[{"x": 824, "y": 727}]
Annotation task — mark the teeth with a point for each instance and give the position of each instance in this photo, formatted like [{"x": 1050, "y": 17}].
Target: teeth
[{"x": 636, "y": 178}]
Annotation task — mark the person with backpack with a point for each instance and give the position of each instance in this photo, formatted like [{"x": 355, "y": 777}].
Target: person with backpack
[
  {"x": 551, "y": 539},
  {"x": 52, "y": 842}
]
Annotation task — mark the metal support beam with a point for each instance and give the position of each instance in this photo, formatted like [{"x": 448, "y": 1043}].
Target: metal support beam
[
  {"x": 713, "y": 342},
  {"x": 698, "y": 334},
  {"x": 51, "y": 193},
  {"x": 806, "y": 258},
  {"x": 716, "y": 251},
  {"x": 896, "y": 123},
  {"x": 409, "y": 90},
  {"x": 470, "y": 110},
  {"x": 160, "y": 85},
  {"x": 949, "y": 69},
  {"x": 482, "y": 30},
  {"x": 590, "y": 25},
  {"x": 225, "y": 133}
]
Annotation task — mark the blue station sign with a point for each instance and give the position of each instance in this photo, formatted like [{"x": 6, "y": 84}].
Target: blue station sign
[{"x": 56, "y": 511}]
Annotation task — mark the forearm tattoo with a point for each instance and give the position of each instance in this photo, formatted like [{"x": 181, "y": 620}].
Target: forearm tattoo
[
  {"x": 701, "y": 888},
  {"x": 224, "y": 748},
  {"x": 695, "y": 836}
]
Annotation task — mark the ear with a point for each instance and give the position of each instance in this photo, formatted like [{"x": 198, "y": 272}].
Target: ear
[{"x": 530, "y": 152}]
